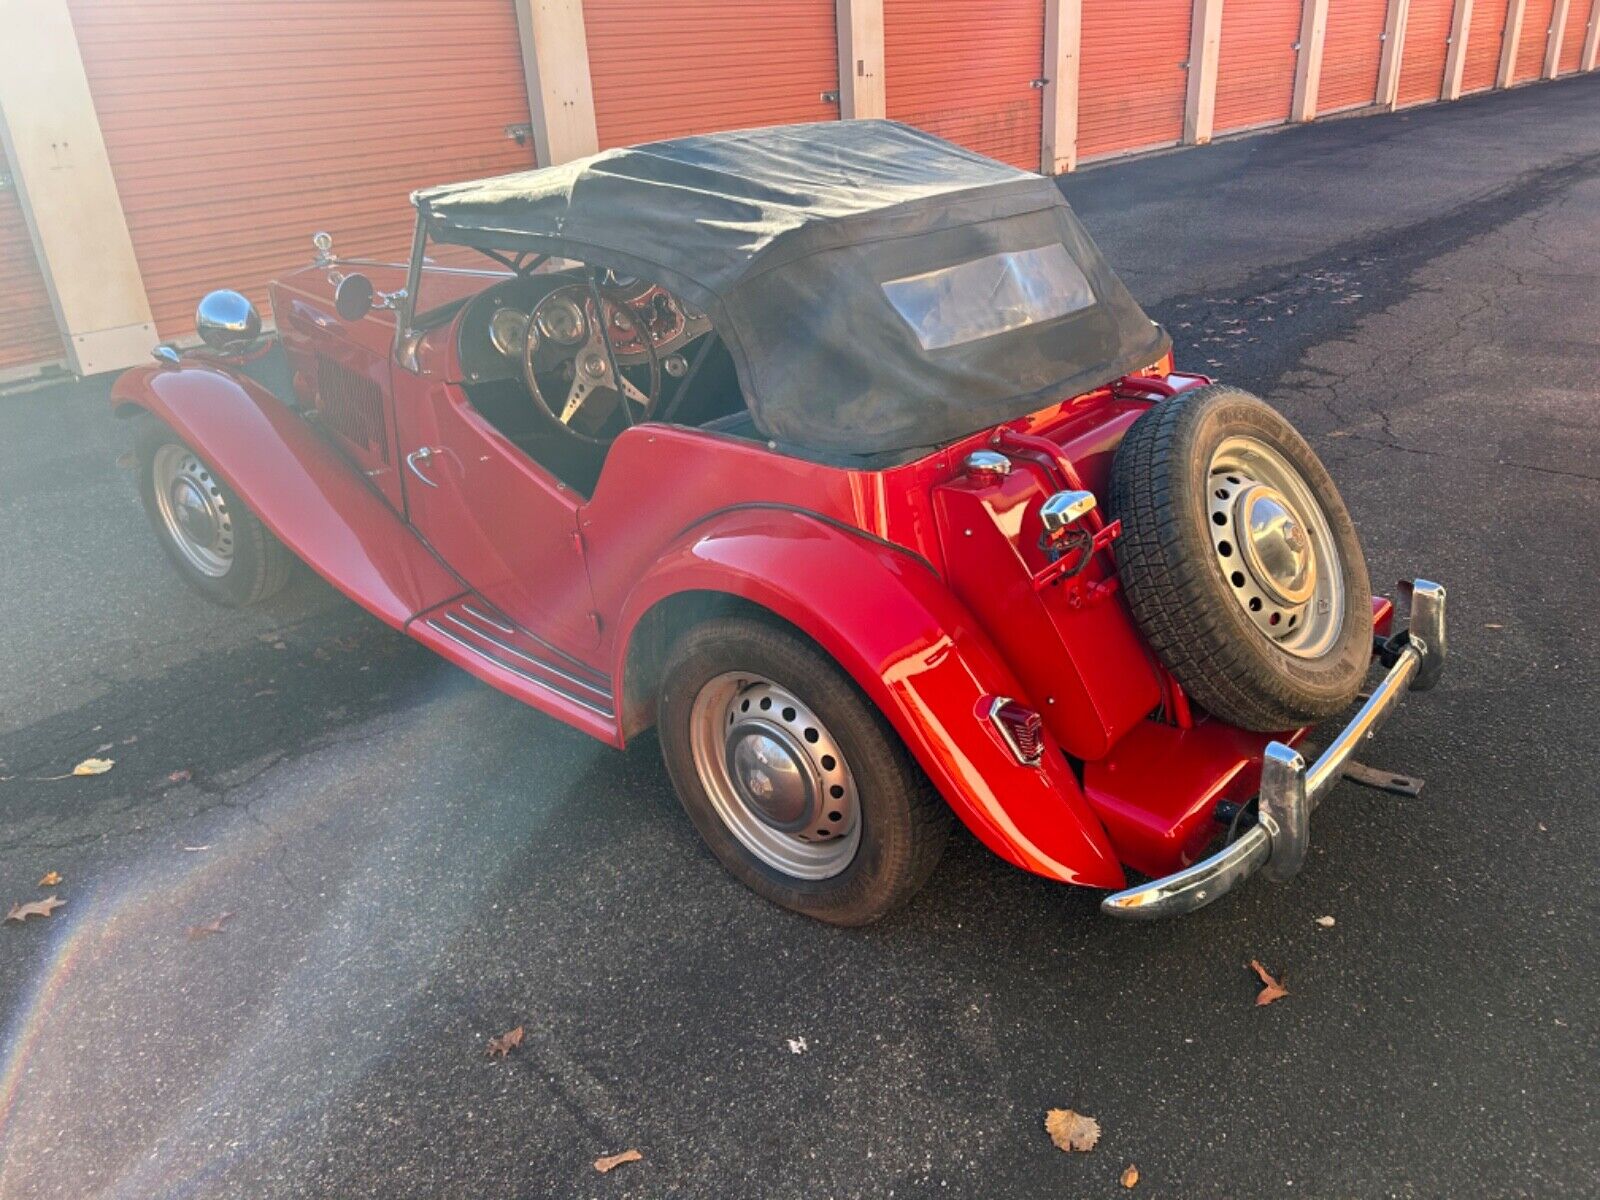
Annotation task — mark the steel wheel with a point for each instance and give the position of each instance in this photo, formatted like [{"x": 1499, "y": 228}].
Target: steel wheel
[
  {"x": 777, "y": 778},
  {"x": 1275, "y": 548},
  {"x": 193, "y": 510}
]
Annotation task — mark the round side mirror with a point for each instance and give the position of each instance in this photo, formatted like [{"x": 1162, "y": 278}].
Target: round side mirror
[
  {"x": 353, "y": 298},
  {"x": 227, "y": 321}
]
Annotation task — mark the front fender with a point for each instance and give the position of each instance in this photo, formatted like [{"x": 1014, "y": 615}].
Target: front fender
[
  {"x": 311, "y": 499},
  {"x": 890, "y": 622}
]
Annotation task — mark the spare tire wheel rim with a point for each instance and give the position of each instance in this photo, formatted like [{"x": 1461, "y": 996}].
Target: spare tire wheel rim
[
  {"x": 1272, "y": 543},
  {"x": 776, "y": 776}
]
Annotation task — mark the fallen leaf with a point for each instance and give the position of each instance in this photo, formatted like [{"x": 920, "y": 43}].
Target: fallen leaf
[
  {"x": 1070, "y": 1130},
  {"x": 195, "y": 849},
  {"x": 196, "y": 932},
  {"x": 51, "y": 878},
  {"x": 37, "y": 908},
  {"x": 612, "y": 1161},
  {"x": 504, "y": 1044},
  {"x": 182, "y": 776},
  {"x": 1325, "y": 922},
  {"x": 1130, "y": 1176},
  {"x": 94, "y": 766},
  {"x": 1272, "y": 989},
  {"x": 1494, "y": 626}
]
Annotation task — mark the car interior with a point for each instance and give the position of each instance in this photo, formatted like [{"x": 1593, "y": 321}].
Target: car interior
[{"x": 562, "y": 361}]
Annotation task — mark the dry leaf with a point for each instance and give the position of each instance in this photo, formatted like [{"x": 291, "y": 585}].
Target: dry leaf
[
  {"x": 1070, "y": 1130},
  {"x": 612, "y": 1161},
  {"x": 504, "y": 1044},
  {"x": 51, "y": 878},
  {"x": 38, "y": 908},
  {"x": 1494, "y": 626},
  {"x": 94, "y": 766},
  {"x": 1325, "y": 922},
  {"x": 182, "y": 776},
  {"x": 1271, "y": 989},
  {"x": 1130, "y": 1176},
  {"x": 196, "y": 932}
]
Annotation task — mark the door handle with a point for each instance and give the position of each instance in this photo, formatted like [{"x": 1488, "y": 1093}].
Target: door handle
[{"x": 423, "y": 455}]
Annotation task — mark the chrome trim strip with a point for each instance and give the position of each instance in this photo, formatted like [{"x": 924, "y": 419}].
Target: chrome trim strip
[
  {"x": 515, "y": 651},
  {"x": 467, "y": 608},
  {"x": 1290, "y": 791},
  {"x": 544, "y": 683}
]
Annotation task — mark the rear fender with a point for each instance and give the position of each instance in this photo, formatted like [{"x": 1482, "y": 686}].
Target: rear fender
[
  {"x": 890, "y": 622},
  {"x": 312, "y": 500}
]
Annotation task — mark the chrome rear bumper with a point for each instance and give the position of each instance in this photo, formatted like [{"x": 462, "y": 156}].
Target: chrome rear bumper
[{"x": 1276, "y": 844}]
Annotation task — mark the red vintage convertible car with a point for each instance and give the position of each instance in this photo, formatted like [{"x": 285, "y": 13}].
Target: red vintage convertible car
[{"x": 837, "y": 454}]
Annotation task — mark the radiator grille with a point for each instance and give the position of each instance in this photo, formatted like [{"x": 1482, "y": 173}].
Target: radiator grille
[{"x": 352, "y": 406}]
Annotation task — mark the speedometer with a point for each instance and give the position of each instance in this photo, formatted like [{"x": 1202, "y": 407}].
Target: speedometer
[
  {"x": 508, "y": 331},
  {"x": 562, "y": 321}
]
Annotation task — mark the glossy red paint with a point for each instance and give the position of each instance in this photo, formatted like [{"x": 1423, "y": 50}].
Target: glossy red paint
[{"x": 299, "y": 486}]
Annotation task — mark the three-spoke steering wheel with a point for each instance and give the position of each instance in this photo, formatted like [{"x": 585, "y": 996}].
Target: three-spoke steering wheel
[{"x": 567, "y": 327}]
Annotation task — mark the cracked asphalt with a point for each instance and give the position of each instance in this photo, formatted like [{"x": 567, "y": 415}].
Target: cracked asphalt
[{"x": 413, "y": 863}]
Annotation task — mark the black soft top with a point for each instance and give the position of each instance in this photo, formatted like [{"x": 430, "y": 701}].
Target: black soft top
[{"x": 879, "y": 289}]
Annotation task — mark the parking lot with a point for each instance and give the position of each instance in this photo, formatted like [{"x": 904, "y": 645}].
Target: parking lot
[{"x": 411, "y": 863}]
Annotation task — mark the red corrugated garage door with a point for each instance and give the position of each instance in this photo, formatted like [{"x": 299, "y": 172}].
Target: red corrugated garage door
[
  {"x": 1426, "y": 48},
  {"x": 1536, "y": 20},
  {"x": 1131, "y": 74},
  {"x": 1255, "y": 63},
  {"x": 1484, "y": 33},
  {"x": 236, "y": 131},
  {"x": 965, "y": 70},
  {"x": 663, "y": 70},
  {"x": 1350, "y": 54},
  {"x": 1577, "y": 29},
  {"x": 28, "y": 334}
]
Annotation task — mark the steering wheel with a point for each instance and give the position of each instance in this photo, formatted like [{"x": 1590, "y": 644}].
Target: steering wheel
[{"x": 566, "y": 328}]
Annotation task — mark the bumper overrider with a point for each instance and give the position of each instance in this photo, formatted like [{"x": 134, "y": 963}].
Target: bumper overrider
[{"x": 1276, "y": 845}]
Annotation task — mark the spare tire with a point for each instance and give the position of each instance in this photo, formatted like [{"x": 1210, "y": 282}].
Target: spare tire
[{"x": 1239, "y": 560}]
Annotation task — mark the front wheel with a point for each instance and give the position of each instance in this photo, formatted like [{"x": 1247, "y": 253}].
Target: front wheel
[
  {"x": 792, "y": 777},
  {"x": 219, "y": 546}
]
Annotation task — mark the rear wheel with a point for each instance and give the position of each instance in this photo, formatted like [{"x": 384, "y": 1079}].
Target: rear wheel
[
  {"x": 1240, "y": 562},
  {"x": 792, "y": 777},
  {"x": 217, "y": 544}
]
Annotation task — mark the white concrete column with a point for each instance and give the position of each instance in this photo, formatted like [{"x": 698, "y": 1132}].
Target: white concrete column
[
  {"x": 1552, "y": 45},
  {"x": 1394, "y": 45},
  {"x": 1200, "y": 104},
  {"x": 861, "y": 80},
  {"x": 1591, "y": 43},
  {"x": 555, "y": 65},
  {"x": 1455, "y": 63},
  {"x": 1508, "y": 44},
  {"x": 69, "y": 196},
  {"x": 1063, "y": 32},
  {"x": 1308, "y": 66}
]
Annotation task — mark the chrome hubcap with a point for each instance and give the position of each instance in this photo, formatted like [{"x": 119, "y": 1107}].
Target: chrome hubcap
[
  {"x": 1275, "y": 548},
  {"x": 775, "y": 775},
  {"x": 193, "y": 511}
]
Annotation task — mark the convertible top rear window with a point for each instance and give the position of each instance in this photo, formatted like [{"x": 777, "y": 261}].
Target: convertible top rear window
[{"x": 986, "y": 296}]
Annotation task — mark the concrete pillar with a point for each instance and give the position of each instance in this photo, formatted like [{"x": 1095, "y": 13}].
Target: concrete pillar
[
  {"x": 1200, "y": 104},
  {"x": 861, "y": 80},
  {"x": 1455, "y": 62},
  {"x": 1508, "y": 44},
  {"x": 1552, "y": 45},
  {"x": 69, "y": 197},
  {"x": 1394, "y": 45},
  {"x": 1591, "y": 43},
  {"x": 555, "y": 64},
  {"x": 1063, "y": 30},
  {"x": 1308, "y": 67}
]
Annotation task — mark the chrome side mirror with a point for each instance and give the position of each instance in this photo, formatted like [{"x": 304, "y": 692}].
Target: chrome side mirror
[
  {"x": 352, "y": 299},
  {"x": 227, "y": 321}
]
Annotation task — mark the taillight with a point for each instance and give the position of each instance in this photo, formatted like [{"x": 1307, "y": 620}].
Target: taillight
[{"x": 1021, "y": 728}]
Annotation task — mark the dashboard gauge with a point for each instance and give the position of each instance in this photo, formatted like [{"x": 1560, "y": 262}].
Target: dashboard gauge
[
  {"x": 508, "y": 330},
  {"x": 560, "y": 320}
]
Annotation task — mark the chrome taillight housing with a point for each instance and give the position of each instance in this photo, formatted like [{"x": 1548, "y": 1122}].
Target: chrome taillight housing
[{"x": 1020, "y": 728}]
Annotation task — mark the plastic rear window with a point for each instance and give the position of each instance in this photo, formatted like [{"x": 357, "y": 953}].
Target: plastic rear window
[{"x": 985, "y": 296}]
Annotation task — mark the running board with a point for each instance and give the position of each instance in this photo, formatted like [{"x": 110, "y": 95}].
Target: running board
[{"x": 477, "y": 637}]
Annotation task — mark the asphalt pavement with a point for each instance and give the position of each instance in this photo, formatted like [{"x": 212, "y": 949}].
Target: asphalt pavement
[{"x": 410, "y": 863}]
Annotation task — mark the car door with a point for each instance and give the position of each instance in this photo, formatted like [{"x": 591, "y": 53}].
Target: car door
[{"x": 503, "y": 523}]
